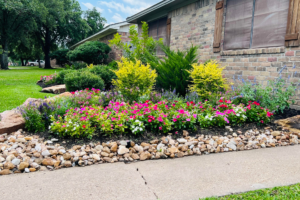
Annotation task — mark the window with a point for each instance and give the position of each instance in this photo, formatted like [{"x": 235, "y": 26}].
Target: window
[
  {"x": 158, "y": 29},
  {"x": 255, "y": 23}
]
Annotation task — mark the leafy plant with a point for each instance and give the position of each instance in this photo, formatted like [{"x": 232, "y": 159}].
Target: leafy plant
[
  {"x": 60, "y": 56},
  {"x": 81, "y": 80},
  {"x": 173, "y": 69},
  {"x": 91, "y": 52},
  {"x": 138, "y": 46},
  {"x": 60, "y": 79},
  {"x": 207, "y": 78},
  {"x": 134, "y": 79},
  {"x": 106, "y": 73},
  {"x": 276, "y": 95}
]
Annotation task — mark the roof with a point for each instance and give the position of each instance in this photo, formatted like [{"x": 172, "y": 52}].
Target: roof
[
  {"x": 112, "y": 28},
  {"x": 158, "y": 10}
]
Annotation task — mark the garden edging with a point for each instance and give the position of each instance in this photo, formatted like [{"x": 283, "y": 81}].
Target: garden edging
[{"x": 20, "y": 153}]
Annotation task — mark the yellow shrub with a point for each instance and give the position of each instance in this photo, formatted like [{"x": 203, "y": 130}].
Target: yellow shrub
[
  {"x": 91, "y": 66},
  {"x": 134, "y": 79},
  {"x": 207, "y": 78}
]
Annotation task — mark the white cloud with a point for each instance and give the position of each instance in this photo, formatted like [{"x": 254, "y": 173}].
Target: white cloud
[
  {"x": 121, "y": 7},
  {"x": 109, "y": 10},
  {"x": 118, "y": 18},
  {"x": 91, "y": 6}
]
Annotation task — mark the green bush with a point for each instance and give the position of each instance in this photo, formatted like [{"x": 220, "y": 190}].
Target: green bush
[
  {"x": 80, "y": 80},
  {"x": 60, "y": 56},
  {"x": 106, "y": 73},
  {"x": 77, "y": 65},
  {"x": 173, "y": 69},
  {"x": 60, "y": 79},
  {"x": 92, "y": 52}
]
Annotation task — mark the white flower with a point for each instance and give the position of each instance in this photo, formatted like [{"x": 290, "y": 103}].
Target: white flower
[
  {"x": 141, "y": 129},
  {"x": 238, "y": 114}
]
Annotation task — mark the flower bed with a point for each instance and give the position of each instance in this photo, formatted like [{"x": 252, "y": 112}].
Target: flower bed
[{"x": 164, "y": 116}]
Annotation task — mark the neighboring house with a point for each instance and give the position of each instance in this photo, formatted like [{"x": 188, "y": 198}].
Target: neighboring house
[
  {"x": 252, "y": 38},
  {"x": 107, "y": 34}
]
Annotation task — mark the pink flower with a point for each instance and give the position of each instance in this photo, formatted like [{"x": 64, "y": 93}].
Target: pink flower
[
  {"x": 149, "y": 120},
  {"x": 160, "y": 128},
  {"x": 262, "y": 121},
  {"x": 195, "y": 115},
  {"x": 181, "y": 111},
  {"x": 178, "y": 116},
  {"x": 174, "y": 120},
  {"x": 188, "y": 119},
  {"x": 64, "y": 126}
]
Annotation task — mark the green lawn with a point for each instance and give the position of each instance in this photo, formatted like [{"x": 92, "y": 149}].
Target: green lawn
[
  {"x": 19, "y": 84},
  {"x": 286, "y": 192}
]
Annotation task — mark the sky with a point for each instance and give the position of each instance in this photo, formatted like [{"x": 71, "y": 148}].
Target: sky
[{"x": 117, "y": 10}]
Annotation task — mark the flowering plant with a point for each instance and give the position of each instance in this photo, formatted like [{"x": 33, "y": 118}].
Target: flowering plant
[
  {"x": 49, "y": 79},
  {"x": 164, "y": 116}
]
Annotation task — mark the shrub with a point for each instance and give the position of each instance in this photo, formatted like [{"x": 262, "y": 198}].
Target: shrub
[
  {"x": 77, "y": 65},
  {"x": 134, "y": 79},
  {"x": 207, "y": 79},
  {"x": 60, "y": 56},
  {"x": 37, "y": 116},
  {"x": 138, "y": 46},
  {"x": 172, "y": 70},
  {"x": 106, "y": 73},
  {"x": 60, "y": 79},
  {"x": 81, "y": 80},
  {"x": 276, "y": 95},
  {"x": 92, "y": 52},
  {"x": 113, "y": 64},
  {"x": 48, "y": 80}
]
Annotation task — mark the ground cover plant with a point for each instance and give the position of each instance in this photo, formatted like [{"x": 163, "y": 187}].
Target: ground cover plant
[
  {"x": 19, "y": 84},
  {"x": 285, "y": 192}
]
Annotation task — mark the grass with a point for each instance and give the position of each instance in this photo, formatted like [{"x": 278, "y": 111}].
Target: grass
[
  {"x": 286, "y": 192},
  {"x": 19, "y": 84}
]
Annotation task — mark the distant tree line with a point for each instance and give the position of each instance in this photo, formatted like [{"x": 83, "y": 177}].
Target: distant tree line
[{"x": 32, "y": 29}]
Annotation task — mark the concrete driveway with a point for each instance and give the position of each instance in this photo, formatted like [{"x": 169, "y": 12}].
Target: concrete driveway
[{"x": 188, "y": 178}]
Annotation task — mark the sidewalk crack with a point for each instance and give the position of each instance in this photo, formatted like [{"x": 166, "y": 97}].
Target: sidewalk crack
[{"x": 137, "y": 169}]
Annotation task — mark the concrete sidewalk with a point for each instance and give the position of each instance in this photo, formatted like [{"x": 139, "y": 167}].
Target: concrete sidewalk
[{"x": 188, "y": 178}]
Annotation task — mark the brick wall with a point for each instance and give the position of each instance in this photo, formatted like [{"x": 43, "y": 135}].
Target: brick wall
[
  {"x": 194, "y": 24},
  {"x": 115, "y": 53}
]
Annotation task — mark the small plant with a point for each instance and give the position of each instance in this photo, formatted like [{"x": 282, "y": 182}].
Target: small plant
[
  {"x": 80, "y": 80},
  {"x": 207, "y": 78},
  {"x": 48, "y": 80},
  {"x": 134, "y": 79}
]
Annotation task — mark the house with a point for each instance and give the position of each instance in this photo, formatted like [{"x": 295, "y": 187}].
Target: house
[
  {"x": 107, "y": 34},
  {"x": 254, "y": 39}
]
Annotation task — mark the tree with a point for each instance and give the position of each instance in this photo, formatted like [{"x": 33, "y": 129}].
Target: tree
[
  {"x": 94, "y": 20},
  {"x": 63, "y": 25},
  {"x": 92, "y": 52},
  {"x": 16, "y": 20}
]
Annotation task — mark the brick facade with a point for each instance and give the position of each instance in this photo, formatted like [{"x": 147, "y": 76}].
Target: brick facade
[
  {"x": 115, "y": 53},
  {"x": 194, "y": 24}
]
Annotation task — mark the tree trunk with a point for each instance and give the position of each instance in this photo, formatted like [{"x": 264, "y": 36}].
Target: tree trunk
[
  {"x": 40, "y": 66},
  {"x": 22, "y": 62},
  {"x": 4, "y": 60},
  {"x": 47, "y": 50},
  {"x": 26, "y": 61}
]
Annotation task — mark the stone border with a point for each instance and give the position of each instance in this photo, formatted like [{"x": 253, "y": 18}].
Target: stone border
[{"x": 25, "y": 154}]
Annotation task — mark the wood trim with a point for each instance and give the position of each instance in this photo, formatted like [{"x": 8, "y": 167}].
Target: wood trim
[
  {"x": 218, "y": 27},
  {"x": 169, "y": 21},
  {"x": 289, "y": 37},
  {"x": 219, "y": 5},
  {"x": 216, "y": 45},
  {"x": 169, "y": 31},
  {"x": 292, "y": 37}
]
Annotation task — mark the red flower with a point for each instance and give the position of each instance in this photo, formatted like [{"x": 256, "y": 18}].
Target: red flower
[
  {"x": 255, "y": 103},
  {"x": 147, "y": 101},
  {"x": 83, "y": 126},
  {"x": 221, "y": 101},
  {"x": 262, "y": 121},
  {"x": 86, "y": 88},
  {"x": 149, "y": 120},
  {"x": 72, "y": 92}
]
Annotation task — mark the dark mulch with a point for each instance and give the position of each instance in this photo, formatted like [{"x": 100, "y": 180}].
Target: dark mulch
[
  {"x": 43, "y": 85},
  {"x": 148, "y": 136}
]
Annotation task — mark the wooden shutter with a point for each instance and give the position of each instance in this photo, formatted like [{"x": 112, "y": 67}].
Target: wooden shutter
[
  {"x": 218, "y": 26},
  {"x": 168, "y": 32},
  {"x": 293, "y": 24}
]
